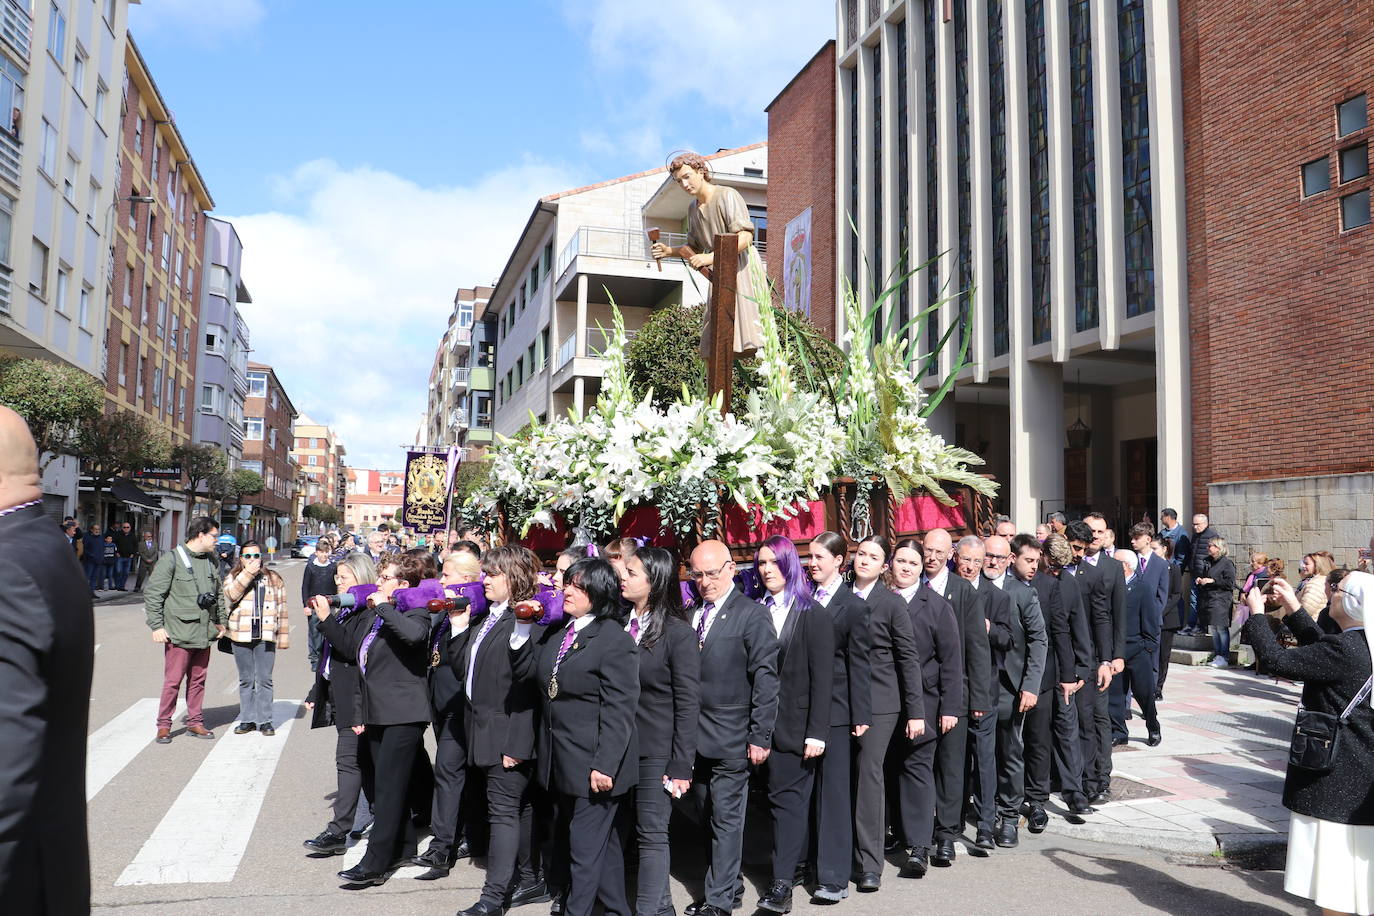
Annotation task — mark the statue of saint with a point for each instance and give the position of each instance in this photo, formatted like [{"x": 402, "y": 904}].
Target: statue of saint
[{"x": 718, "y": 210}]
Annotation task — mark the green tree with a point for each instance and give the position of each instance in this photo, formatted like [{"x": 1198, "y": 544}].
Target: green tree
[
  {"x": 55, "y": 400},
  {"x": 115, "y": 443},
  {"x": 322, "y": 512},
  {"x": 201, "y": 463}
]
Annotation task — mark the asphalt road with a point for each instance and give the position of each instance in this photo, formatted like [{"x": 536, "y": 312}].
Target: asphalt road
[{"x": 215, "y": 827}]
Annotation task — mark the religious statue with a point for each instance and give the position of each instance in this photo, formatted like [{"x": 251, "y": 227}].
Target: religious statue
[{"x": 718, "y": 210}]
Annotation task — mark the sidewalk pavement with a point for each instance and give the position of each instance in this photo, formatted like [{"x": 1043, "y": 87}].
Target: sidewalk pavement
[{"x": 1215, "y": 783}]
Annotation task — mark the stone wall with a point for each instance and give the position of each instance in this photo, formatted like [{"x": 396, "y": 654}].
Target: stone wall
[{"x": 1291, "y": 516}]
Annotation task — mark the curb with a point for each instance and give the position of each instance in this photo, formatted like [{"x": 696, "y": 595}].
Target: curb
[{"x": 1265, "y": 851}]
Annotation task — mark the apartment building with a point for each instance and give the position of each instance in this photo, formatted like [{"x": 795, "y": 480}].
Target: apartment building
[
  {"x": 222, "y": 343},
  {"x": 61, "y": 64},
  {"x": 269, "y": 417},
  {"x": 580, "y": 251},
  {"x": 374, "y": 497},
  {"x": 320, "y": 455},
  {"x": 461, "y": 396}
]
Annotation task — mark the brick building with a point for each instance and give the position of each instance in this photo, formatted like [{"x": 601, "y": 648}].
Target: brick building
[
  {"x": 801, "y": 163},
  {"x": 320, "y": 454},
  {"x": 269, "y": 417},
  {"x": 1279, "y": 280},
  {"x": 373, "y": 497}
]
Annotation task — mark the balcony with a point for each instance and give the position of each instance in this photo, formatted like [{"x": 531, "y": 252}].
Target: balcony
[
  {"x": 461, "y": 339},
  {"x": 9, "y": 157},
  {"x": 459, "y": 376},
  {"x": 4, "y": 290},
  {"x": 457, "y": 419},
  {"x": 15, "y": 27},
  {"x": 597, "y": 340},
  {"x": 603, "y": 242}
]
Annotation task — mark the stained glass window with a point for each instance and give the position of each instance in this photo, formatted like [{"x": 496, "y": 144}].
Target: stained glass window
[
  {"x": 851, "y": 223},
  {"x": 964, "y": 179},
  {"x": 1084, "y": 166},
  {"x": 1135, "y": 155},
  {"x": 1037, "y": 90},
  {"x": 903, "y": 179},
  {"x": 932, "y": 270},
  {"x": 997, "y": 131},
  {"x": 876, "y": 267}
]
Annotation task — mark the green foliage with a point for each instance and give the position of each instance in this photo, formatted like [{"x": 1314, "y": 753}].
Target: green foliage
[
  {"x": 246, "y": 483},
  {"x": 119, "y": 442},
  {"x": 322, "y": 512},
  {"x": 665, "y": 356},
  {"x": 53, "y": 399},
  {"x": 201, "y": 463},
  {"x": 470, "y": 477}
]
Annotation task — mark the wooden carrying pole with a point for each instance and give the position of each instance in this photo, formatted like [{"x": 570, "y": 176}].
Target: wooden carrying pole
[{"x": 720, "y": 364}]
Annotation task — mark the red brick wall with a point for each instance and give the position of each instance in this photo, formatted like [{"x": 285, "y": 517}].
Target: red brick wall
[
  {"x": 801, "y": 174},
  {"x": 1280, "y": 298}
]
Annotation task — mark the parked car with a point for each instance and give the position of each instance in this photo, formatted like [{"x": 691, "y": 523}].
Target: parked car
[{"x": 305, "y": 546}]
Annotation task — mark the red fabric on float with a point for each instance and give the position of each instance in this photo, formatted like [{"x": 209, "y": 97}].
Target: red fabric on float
[
  {"x": 748, "y": 527},
  {"x": 923, "y": 512}
]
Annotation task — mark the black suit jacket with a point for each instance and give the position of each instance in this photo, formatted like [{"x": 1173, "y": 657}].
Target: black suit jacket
[
  {"x": 589, "y": 724},
  {"x": 851, "y": 684},
  {"x": 499, "y": 716},
  {"x": 1072, "y": 592},
  {"x": 806, "y": 660},
  {"x": 1156, "y": 581},
  {"x": 395, "y": 681},
  {"x": 1096, "y": 588},
  {"x": 445, "y": 690},
  {"x": 670, "y": 698},
  {"x": 47, "y": 638},
  {"x": 1142, "y": 620},
  {"x": 895, "y": 668},
  {"x": 739, "y": 680},
  {"x": 338, "y": 699},
  {"x": 1023, "y": 664},
  {"x": 1061, "y": 667},
  {"x": 973, "y": 636},
  {"x": 941, "y": 654},
  {"x": 1171, "y": 619}
]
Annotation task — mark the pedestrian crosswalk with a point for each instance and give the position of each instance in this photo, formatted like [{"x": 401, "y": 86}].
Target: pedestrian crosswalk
[{"x": 116, "y": 744}]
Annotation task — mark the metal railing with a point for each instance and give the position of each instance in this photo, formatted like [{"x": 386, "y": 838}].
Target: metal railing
[
  {"x": 597, "y": 341},
  {"x": 566, "y": 351},
  {"x": 460, "y": 376},
  {"x": 605, "y": 242},
  {"x": 9, "y": 157},
  {"x": 462, "y": 337},
  {"x": 5, "y": 288},
  {"x": 16, "y": 27}
]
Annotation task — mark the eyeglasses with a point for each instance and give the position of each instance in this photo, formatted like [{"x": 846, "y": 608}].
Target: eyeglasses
[
  {"x": 998, "y": 556},
  {"x": 388, "y": 578},
  {"x": 698, "y": 574}
]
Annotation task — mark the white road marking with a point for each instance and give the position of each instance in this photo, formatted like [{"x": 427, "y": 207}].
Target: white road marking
[
  {"x": 204, "y": 834},
  {"x": 119, "y": 741}
]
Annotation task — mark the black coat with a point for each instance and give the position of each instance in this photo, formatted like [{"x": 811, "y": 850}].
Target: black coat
[
  {"x": 973, "y": 638},
  {"x": 589, "y": 723},
  {"x": 851, "y": 684},
  {"x": 1098, "y": 589},
  {"x": 47, "y": 638},
  {"x": 445, "y": 690},
  {"x": 1073, "y": 596},
  {"x": 1061, "y": 667},
  {"x": 499, "y": 716},
  {"x": 395, "y": 680},
  {"x": 1021, "y": 666},
  {"x": 806, "y": 659},
  {"x": 338, "y": 699},
  {"x": 895, "y": 666},
  {"x": 1198, "y": 560},
  {"x": 317, "y": 580},
  {"x": 739, "y": 680},
  {"x": 1172, "y": 620},
  {"x": 670, "y": 698},
  {"x": 941, "y": 655},
  {"x": 1332, "y": 668},
  {"x": 1216, "y": 601}
]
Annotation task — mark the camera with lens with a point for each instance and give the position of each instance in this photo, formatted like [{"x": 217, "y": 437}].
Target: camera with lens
[{"x": 207, "y": 601}]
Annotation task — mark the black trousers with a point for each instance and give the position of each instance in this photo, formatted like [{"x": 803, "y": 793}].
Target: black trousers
[
  {"x": 392, "y": 751},
  {"x": 870, "y": 797},
  {"x": 653, "y": 809},
  {"x": 350, "y": 771},
  {"x": 982, "y": 769},
  {"x": 506, "y": 805},
  {"x": 951, "y": 764},
  {"x": 790, "y": 781},
  {"x": 1051, "y": 737},
  {"x": 834, "y": 810},
  {"x": 1100, "y": 776},
  {"x": 720, "y": 788},
  {"x": 915, "y": 796},
  {"x": 1138, "y": 680},
  {"x": 1090, "y": 738},
  {"x": 450, "y": 780},
  {"x": 1166, "y": 648},
  {"x": 588, "y": 856},
  {"x": 1011, "y": 770}
]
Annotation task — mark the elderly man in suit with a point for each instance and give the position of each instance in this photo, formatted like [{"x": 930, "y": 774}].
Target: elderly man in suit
[
  {"x": 1020, "y": 672},
  {"x": 46, "y": 640},
  {"x": 1143, "y": 618},
  {"x": 739, "y": 703},
  {"x": 951, "y": 754}
]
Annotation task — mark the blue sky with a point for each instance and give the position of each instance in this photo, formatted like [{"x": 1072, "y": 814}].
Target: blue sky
[{"x": 376, "y": 157}]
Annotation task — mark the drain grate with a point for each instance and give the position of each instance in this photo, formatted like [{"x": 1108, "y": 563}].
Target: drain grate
[{"x": 1124, "y": 789}]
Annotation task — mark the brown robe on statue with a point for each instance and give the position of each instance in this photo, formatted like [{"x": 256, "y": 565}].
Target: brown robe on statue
[{"x": 724, "y": 214}]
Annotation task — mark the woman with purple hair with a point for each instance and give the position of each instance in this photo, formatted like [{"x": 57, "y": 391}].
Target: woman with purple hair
[{"x": 806, "y": 650}]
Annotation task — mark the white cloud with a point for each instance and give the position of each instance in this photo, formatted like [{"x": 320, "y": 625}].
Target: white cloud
[
  {"x": 353, "y": 284},
  {"x": 188, "y": 19},
  {"x": 659, "y": 63}
]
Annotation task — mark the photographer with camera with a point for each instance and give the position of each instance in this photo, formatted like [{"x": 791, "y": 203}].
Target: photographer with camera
[
  {"x": 184, "y": 602},
  {"x": 259, "y": 625}
]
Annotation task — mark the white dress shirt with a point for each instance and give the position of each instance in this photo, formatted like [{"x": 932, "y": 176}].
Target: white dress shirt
[
  {"x": 494, "y": 614},
  {"x": 521, "y": 634},
  {"x": 827, "y": 592},
  {"x": 1000, "y": 581},
  {"x": 715, "y": 612},
  {"x": 865, "y": 592},
  {"x": 939, "y": 581}
]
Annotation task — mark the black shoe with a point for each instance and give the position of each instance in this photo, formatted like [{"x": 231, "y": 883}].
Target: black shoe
[
  {"x": 533, "y": 891},
  {"x": 1006, "y": 833},
  {"x": 982, "y": 844},
  {"x": 558, "y": 904},
  {"x": 829, "y": 893},
  {"x": 267, "y": 731},
  {"x": 1120, "y": 742},
  {"x": 359, "y": 834},
  {"x": 869, "y": 882},
  {"x": 944, "y": 854},
  {"x": 1101, "y": 798},
  {"x": 917, "y": 863},
  {"x": 1081, "y": 807},
  {"x": 1037, "y": 819},
  {"x": 1154, "y": 739},
  {"x": 433, "y": 874},
  {"x": 779, "y": 897},
  {"x": 706, "y": 909},
  {"x": 328, "y": 844},
  {"x": 244, "y": 728},
  {"x": 432, "y": 858},
  {"x": 363, "y": 878},
  {"x": 461, "y": 852},
  {"x": 890, "y": 843},
  {"x": 482, "y": 908}
]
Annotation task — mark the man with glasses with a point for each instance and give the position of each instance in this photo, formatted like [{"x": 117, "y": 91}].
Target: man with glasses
[
  {"x": 739, "y": 701},
  {"x": 1020, "y": 671}
]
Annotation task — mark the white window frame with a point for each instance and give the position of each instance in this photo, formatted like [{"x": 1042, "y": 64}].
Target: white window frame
[
  {"x": 64, "y": 279},
  {"x": 83, "y": 313},
  {"x": 253, "y": 379},
  {"x": 47, "y": 151},
  {"x": 57, "y": 32},
  {"x": 251, "y": 425}
]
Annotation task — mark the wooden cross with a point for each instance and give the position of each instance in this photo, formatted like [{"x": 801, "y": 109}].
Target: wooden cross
[{"x": 721, "y": 360}]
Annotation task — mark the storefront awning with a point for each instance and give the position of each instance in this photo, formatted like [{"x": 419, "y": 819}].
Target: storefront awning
[{"x": 129, "y": 492}]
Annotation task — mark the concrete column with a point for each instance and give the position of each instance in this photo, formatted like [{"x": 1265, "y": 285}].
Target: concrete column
[
  {"x": 941, "y": 420},
  {"x": 1037, "y": 442},
  {"x": 578, "y": 393},
  {"x": 580, "y": 341}
]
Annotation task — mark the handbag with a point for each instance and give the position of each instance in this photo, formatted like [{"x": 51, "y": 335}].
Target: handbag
[
  {"x": 1317, "y": 735},
  {"x": 225, "y": 645}
]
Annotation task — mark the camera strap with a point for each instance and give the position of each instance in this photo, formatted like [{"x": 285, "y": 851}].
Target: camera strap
[{"x": 186, "y": 561}]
